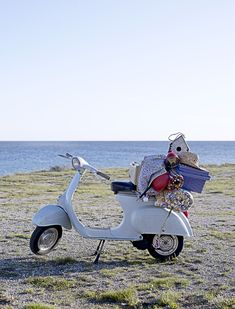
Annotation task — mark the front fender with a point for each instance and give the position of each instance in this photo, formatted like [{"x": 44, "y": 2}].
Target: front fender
[
  {"x": 52, "y": 215},
  {"x": 152, "y": 220}
]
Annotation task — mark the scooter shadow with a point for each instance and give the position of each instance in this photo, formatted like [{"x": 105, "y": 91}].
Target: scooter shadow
[{"x": 24, "y": 267}]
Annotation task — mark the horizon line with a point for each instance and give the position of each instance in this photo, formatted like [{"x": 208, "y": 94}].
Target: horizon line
[{"x": 89, "y": 140}]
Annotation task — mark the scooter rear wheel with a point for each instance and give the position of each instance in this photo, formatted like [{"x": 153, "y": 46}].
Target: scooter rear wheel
[
  {"x": 165, "y": 247},
  {"x": 45, "y": 238}
]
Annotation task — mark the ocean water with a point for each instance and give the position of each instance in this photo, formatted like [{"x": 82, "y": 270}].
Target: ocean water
[{"x": 18, "y": 157}]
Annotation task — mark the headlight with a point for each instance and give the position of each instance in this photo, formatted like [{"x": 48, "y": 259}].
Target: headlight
[{"x": 76, "y": 163}]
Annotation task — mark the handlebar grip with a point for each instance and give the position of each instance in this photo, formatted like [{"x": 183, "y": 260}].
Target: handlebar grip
[{"x": 103, "y": 175}]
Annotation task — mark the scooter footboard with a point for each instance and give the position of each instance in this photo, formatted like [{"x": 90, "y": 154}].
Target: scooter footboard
[
  {"x": 154, "y": 220},
  {"x": 52, "y": 215}
]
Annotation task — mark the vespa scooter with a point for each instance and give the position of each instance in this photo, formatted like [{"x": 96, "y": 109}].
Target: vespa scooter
[{"x": 159, "y": 230}]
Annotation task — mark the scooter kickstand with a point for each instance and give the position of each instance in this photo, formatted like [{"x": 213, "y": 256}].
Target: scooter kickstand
[{"x": 99, "y": 250}]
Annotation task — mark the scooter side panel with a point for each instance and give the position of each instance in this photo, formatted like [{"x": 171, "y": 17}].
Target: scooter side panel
[
  {"x": 52, "y": 215},
  {"x": 154, "y": 220},
  {"x": 186, "y": 222}
]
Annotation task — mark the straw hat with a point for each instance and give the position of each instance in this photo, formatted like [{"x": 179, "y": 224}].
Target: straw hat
[{"x": 189, "y": 158}]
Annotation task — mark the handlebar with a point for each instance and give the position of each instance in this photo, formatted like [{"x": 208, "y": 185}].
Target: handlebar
[
  {"x": 103, "y": 175},
  {"x": 79, "y": 164}
]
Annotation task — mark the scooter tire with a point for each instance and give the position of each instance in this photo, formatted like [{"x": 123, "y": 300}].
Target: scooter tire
[
  {"x": 45, "y": 238},
  {"x": 166, "y": 247}
]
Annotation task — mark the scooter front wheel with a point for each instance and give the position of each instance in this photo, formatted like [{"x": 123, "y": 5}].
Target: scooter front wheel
[
  {"x": 45, "y": 238},
  {"x": 165, "y": 247}
]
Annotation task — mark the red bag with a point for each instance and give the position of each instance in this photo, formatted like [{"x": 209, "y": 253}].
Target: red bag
[{"x": 160, "y": 182}]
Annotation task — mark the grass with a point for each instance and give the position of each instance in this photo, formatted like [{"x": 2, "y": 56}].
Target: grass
[
  {"x": 217, "y": 300},
  {"x": 169, "y": 298},
  {"x": 216, "y": 213},
  {"x": 210, "y": 295},
  {"x": 17, "y": 235},
  {"x": 221, "y": 183},
  {"x": 169, "y": 282},
  {"x": 164, "y": 283},
  {"x": 98, "y": 190},
  {"x": 224, "y": 303},
  {"x": 21, "y": 186},
  {"x": 125, "y": 277},
  {"x": 223, "y": 235},
  {"x": 55, "y": 182},
  {"x": 39, "y": 306},
  {"x": 110, "y": 272},
  {"x": 126, "y": 296},
  {"x": 52, "y": 283}
]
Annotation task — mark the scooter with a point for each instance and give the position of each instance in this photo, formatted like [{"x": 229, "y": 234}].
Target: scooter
[{"x": 159, "y": 230}]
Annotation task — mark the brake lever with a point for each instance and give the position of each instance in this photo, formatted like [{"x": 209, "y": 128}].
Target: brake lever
[
  {"x": 66, "y": 156},
  {"x": 69, "y": 155}
]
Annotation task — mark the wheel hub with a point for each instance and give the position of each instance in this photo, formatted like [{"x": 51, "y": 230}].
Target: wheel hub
[
  {"x": 165, "y": 244},
  {"x": 48, "y": 239}
]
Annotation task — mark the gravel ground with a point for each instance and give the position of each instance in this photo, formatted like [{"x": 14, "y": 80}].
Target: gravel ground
[{"x": 201, "y": 277}]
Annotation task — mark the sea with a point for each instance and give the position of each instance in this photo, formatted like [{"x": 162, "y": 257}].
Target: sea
[{"x": 18, "y": 157}]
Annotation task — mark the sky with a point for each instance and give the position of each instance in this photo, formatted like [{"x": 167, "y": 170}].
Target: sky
[{"x": 117, "y": 69}]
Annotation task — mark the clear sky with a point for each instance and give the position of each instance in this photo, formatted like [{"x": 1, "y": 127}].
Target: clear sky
[{"x": 117, "y": 69}]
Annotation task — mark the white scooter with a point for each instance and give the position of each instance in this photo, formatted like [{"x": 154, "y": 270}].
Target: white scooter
[{"x": 159, "y": 230}]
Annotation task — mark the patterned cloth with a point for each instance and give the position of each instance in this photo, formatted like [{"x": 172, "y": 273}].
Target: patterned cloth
[
  {"x": 178, "y": 200},
  {"x": 149, "y": 166}
]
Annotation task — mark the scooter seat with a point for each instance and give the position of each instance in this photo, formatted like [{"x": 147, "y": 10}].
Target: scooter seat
[{"x": 121, "y": 186}]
